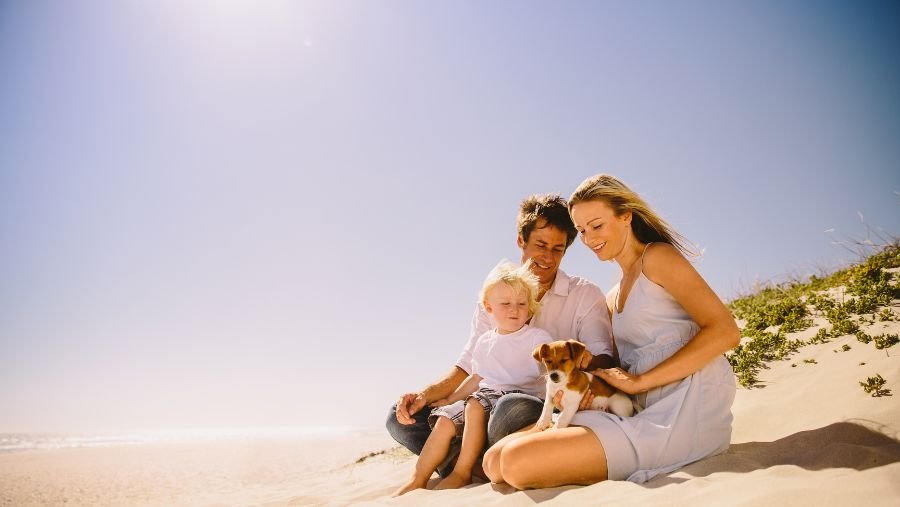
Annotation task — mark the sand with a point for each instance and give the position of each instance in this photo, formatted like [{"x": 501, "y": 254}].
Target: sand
[
  {"x": 224, "y": 472},
  {"x": 809, "y": 436}
]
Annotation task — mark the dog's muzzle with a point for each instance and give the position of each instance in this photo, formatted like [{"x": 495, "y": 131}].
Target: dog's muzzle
[{"x": 554, "y": 376}]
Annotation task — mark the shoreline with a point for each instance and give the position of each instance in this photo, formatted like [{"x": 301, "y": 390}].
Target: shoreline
[{"x": 14, "y": 442}]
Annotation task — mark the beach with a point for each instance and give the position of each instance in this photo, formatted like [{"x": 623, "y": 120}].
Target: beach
[
  {"x": 251, "y": 469},
  {"x": 235, "y": 233},
  {"x": 810, "y": 436},
  {"x": 807, "y": 434}
]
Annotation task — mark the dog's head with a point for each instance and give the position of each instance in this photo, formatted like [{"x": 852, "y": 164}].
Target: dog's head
[{"x": 560, "y": 358}]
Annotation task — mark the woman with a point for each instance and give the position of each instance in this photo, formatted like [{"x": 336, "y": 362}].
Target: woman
[{"x": 671, "y": 331}]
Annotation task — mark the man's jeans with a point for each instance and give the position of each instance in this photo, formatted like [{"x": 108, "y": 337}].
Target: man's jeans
[{"x": 512, "y": 413}]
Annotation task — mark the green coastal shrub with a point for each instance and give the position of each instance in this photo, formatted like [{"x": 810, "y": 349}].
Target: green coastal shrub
[
  {"x": 748, "y": 358},
  {"x": 863, "y": 337},
  {"x": 790, "y": 306},
  {"x": 886, "y": 315},
  {"x": 886, "y": 341},
  {"x": 822, "y": 336},
  {"x": 782, "y": 310},
  {"x": 875, "y": 386}
]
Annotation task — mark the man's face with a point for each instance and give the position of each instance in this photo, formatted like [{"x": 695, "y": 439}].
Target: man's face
[{"x": 545, "y": 247}]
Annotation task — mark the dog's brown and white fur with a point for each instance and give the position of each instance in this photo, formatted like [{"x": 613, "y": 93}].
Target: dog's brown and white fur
[{"x": 561, "y": 359}]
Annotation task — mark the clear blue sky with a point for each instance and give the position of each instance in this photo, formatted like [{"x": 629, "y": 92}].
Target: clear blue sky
[{"x": 256, "y": 213}]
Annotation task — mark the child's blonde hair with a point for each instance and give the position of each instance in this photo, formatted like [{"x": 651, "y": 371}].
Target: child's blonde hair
[{"x": 517, "y": 278}]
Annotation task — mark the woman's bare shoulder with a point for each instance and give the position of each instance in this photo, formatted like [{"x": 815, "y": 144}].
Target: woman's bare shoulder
[{"x": 662, "y": 262}]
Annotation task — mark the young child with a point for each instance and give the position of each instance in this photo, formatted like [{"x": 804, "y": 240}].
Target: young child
[{"x": 502, "y": 363}]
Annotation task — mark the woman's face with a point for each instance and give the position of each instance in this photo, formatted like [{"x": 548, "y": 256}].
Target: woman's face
[{"x": 600, "y": 229}]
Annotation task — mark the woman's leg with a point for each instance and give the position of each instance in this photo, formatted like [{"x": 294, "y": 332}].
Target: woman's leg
[
  {"x": 491, "y": 462},
  {"x": 433, "y": 453},
  {"x": 550, "y": 458},
  {"x": 474, "y": 435}
]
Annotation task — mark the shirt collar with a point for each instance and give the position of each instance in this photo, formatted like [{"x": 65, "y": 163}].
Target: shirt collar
[{"x": 560, "y": 285}]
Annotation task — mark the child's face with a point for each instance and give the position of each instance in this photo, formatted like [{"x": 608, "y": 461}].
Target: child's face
[{"x": 509, "y": 306}]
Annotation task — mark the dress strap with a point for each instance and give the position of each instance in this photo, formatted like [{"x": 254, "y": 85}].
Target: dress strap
[{"x": 642, "y": 256}]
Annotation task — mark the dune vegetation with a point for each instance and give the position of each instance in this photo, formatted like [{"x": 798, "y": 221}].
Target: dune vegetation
[{"x": 842, "y": 303}]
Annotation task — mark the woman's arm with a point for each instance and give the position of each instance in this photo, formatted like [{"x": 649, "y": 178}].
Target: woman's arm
[{"x": 665, "y": 266}]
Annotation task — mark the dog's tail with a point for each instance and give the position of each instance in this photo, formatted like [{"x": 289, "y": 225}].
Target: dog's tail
[{"x": 621, "y": 405}]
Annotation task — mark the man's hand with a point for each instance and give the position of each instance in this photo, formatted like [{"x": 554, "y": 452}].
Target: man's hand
[
  {"x": 585, "y": 403},
  {"x": 408, "y": 405},
  {"x": 584, "y": 360},
  {"x": 588, "y": 361}
]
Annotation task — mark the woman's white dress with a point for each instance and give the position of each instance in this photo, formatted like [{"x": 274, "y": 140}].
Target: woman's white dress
[{"x": 681, "y": 422}]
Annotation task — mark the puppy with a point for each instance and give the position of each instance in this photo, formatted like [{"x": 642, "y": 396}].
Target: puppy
[{"x": 561, "y": 360}]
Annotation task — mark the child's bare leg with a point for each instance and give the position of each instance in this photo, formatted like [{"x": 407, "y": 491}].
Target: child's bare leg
[
  {"x": 433, "y": 453},
  {"x": 474, "y": 436}
]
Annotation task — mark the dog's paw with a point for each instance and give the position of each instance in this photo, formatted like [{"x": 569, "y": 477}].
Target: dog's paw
[{"x": 542, "y": 425}]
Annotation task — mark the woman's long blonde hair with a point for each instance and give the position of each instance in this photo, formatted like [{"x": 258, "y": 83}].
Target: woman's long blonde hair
[{"x": 647, "y": 226}]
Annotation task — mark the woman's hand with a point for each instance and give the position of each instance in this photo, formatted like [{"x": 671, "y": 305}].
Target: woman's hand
[{"x": 622, "y": 380}]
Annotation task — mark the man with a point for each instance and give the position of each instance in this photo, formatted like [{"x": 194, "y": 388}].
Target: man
[{"x": 571, "y": 308}]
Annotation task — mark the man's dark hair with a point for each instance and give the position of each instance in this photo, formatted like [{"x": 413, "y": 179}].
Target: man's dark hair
[{"x": 544, "y": 210}]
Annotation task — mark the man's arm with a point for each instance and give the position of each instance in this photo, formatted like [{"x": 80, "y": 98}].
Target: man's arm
[
  {"x": 601, "y": 361},
  {"x": 469, "y": 386},
  {"x": 410, "y": 403},
  {"x": 446, "y": 386},
  {"x": 595, "y": 332}
]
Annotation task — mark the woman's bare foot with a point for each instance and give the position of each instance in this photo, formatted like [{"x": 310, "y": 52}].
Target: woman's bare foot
[
  {"x": 413, "y": 483},
  {"x": 454, "y": 481}
]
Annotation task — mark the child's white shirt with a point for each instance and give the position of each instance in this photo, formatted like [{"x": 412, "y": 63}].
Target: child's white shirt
[
  {"x": 505, "y": 361},
  {"x": 573, "y": 309}
]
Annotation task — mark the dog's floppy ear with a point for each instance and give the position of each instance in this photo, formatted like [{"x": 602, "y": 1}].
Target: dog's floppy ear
[
  {"x": 576, "y": 348},
  {"x": 540, "y": 352}
]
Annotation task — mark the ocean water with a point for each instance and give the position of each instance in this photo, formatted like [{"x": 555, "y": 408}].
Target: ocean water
[{"x": 20, "y": 442}]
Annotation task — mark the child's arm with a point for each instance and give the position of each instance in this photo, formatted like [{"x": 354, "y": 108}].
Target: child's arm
[{"x": 469, "y": 386}]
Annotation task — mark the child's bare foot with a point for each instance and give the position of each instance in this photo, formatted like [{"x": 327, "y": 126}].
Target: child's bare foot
[
  {"x": 454, "y": 481},
  {"x": 409, "y": 486}
]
